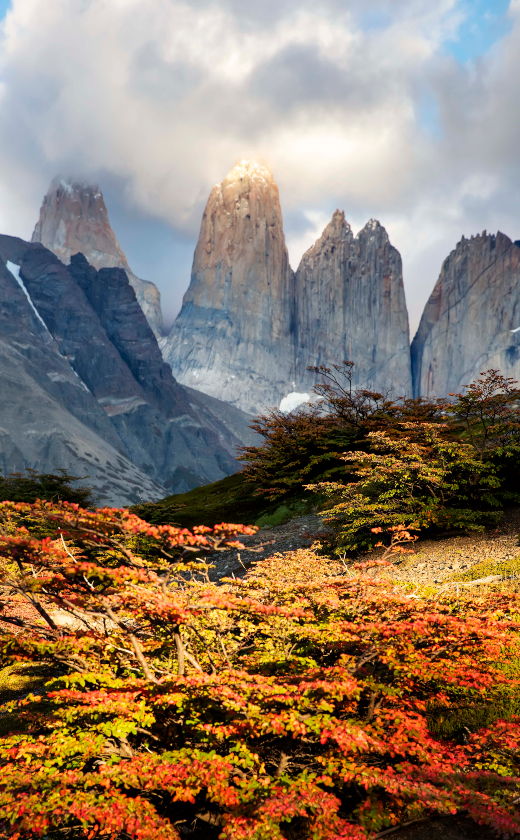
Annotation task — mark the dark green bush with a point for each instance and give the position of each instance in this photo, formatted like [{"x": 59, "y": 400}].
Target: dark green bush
[{"x": 53, "y": 487}]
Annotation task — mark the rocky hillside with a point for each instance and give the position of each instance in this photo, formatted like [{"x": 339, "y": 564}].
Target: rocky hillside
[
  {"x": 74, "y": 219},
  {"x": 48, "y": 417},
  {"x": 471, "y": 322},
  {"x": 249, "y": 326},
  {"x": 80, "y": 335}
]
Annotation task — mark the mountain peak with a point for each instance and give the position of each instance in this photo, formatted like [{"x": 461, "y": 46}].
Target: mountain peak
[
  {"x": 251, "y": 170},
  {"x": 337, "y": 230},
  {"x": 74, "y": 220},
  {"x": 373, "y": 226},
  {"x": 232, "y": 336},
  {"x": 73, "y": 186}
]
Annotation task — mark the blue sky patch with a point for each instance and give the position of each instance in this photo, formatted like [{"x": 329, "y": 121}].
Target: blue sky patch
[
  {"x": 428, "y": 116},
  {"x": 485, "y": 23}
]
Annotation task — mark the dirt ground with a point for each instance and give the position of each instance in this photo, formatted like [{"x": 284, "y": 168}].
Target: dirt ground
[
  {"x": 432, "y": 561},
  {"x": 298, "y": 533},
  {"x": 444, "y": 828}
]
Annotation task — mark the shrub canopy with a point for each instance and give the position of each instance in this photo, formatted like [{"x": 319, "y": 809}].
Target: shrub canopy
[{"x": 298, "y": 702}]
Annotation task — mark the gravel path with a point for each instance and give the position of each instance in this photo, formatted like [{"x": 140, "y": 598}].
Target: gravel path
[
  {"x": 298, "y": 533},
  {"x": 432, "y": 562}
]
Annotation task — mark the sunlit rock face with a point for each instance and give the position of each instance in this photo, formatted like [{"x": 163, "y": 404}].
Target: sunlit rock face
[
  {"x": 233, "y": 338},
  {"x": 74, "y": 219},
  {"x": 471, "y": 321},
  {"x": 351, "y": 306},
  {"x": 249, "y": 326}
]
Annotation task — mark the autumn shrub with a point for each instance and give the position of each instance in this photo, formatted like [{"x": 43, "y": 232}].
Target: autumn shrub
[
  {"x": 376, "y": 460},
  {"x": 294, "y": 703},
  {"x": 451, "y": 474},
  {"x": 308, "y": 444},
  {"x": 418, "y": 481}
]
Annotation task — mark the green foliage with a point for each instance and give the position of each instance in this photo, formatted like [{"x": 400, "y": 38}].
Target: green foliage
[
  {"x": 54, "y": 487},
  {"x": 232, "y": 498},
  {"x": 17, "y": 682},
  {"x": 307, "y": 445},
  {"x": 418, "y": 481},
  {"x": 456, "y": 721},
  {"x": 296, "y": 703},
  {"x": 506, "y": 568},
  {"x": 19, "y": 679},
  {"x": 283, "y": 513},
  {"x": 487, "y": 413},
  {"x": 451, "y": 474}
]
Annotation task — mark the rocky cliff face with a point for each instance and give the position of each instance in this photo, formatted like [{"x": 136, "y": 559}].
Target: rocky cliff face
[
  {"x": 48, "y": 417},
  {"x": 74, "y": 219},
  {"x": 123, "y": 391},
  {"x": 233, "y": 336},
  {"x": 472, "y": 319},
  {"x": 249, "y": 327},
  {"x": 351, "y": 305}
]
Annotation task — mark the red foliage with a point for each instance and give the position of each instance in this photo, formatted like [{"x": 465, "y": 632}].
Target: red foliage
[{"x": 293, "y": 703}]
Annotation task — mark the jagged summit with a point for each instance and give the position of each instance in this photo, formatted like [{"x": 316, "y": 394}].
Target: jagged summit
[
  {"x": 232, "y": 338},
  {"x": 74, "y": 219},
  {"x": 249, "y": 326},
  {"x": 470, "y": 321},
  {"x": 337, "y": 229},
  {"x": 249, "y": 169},
  {"x": 350, "y": 305}
]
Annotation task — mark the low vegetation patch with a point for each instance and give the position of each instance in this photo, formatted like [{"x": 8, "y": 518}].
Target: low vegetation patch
[
  {"x": 31, "y": 485},
  {"x": 507, "y": 569},
  {"x": 232, "y": 498},
  {"x": 314, "y": 699},
  {"x": 300, "y": 702}
]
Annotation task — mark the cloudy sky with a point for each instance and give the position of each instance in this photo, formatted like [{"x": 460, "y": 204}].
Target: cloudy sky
[{"x": 403, "y": 110}]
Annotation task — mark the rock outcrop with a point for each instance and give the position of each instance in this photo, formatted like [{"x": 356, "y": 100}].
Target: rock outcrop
[
  {"x": 249, "y": 327},
  {"x": 471, "y": 322},
  {"x": 233, "y": 336},
  {"x": 48, "y": 417},
  {"x": 74, "y": 219},
  {"x": 128, "y": 394},
  {"x": 351, "y": 305}
]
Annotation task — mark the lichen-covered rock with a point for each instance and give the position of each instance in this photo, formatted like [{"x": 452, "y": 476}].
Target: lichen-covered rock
[
  {"x": 351, "y": 306},
  {"x": 472, "y": 319},
  {"x": 74, "y": 219},
  {"x": 233, "y": 336}
]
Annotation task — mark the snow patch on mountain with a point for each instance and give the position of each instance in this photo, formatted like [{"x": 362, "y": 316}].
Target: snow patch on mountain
[
  {"x": 15, "y": 271},
  {"x": 293, "y": 401}
]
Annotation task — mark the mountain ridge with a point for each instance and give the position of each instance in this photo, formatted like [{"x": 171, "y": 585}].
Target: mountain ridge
[
  {"x": 247, "y": 328},
  {"x": 470, "y": 320},
  {"x": 131, "y": 401},
  {"x": 74, "y": 219}
]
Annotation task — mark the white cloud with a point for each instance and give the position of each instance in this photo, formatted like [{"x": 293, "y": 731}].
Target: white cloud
[{"x": 167, "y": 95}]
